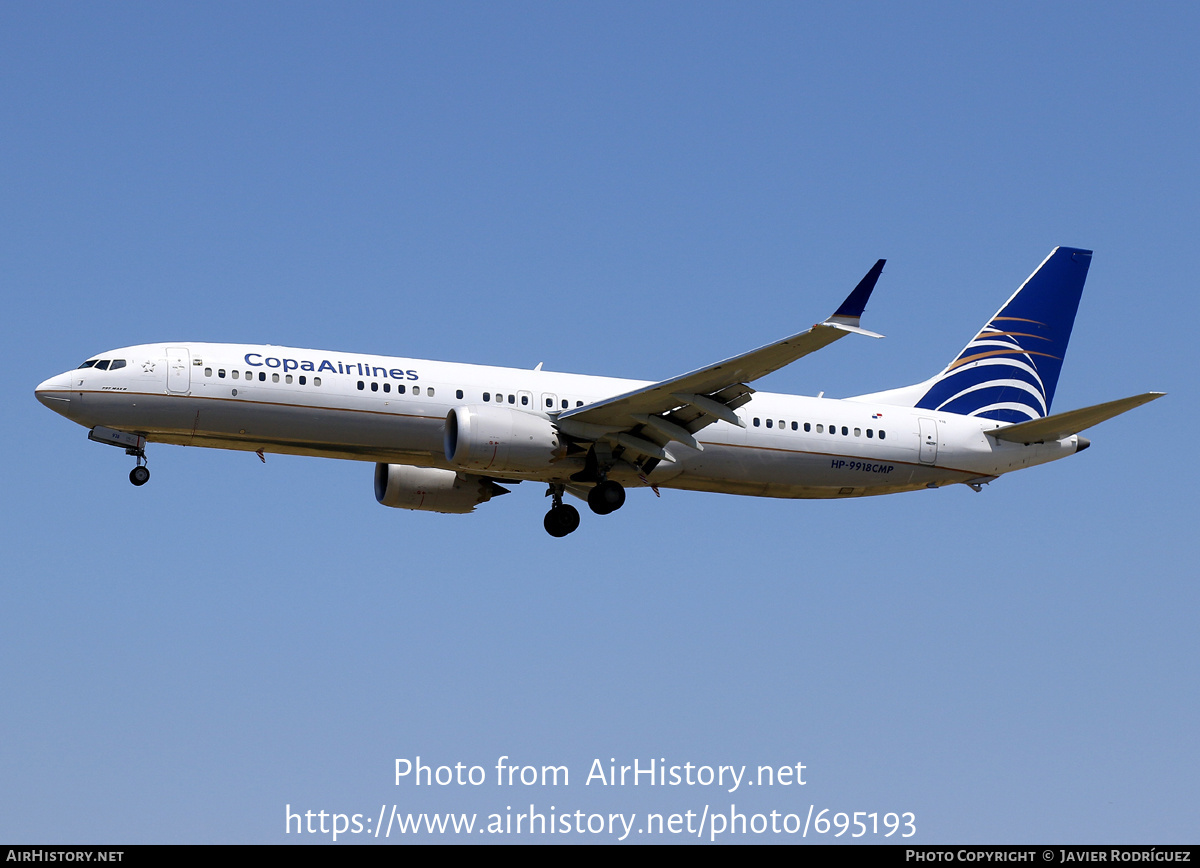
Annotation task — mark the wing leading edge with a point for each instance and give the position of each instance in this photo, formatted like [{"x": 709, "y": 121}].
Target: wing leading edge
[{"x": 644, "y": 421}]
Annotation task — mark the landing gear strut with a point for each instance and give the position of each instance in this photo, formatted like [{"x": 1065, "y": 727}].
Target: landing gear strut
[{"x": 562, "y": 518}]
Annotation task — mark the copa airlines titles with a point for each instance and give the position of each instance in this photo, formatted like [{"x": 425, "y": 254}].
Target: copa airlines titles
[{"x": 363, "y": 369}]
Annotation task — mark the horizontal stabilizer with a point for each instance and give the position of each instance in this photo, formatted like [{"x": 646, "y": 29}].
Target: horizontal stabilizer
[{"x": 1062, "y": 425}]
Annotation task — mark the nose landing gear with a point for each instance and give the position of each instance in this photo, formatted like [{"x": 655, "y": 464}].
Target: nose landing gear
[
  {"x": 140, "y": 475},
  {"x": 133, "y": 444}
]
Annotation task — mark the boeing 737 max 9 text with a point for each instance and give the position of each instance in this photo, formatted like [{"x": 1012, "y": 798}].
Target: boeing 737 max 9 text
[{"x": 447, "y": 437}]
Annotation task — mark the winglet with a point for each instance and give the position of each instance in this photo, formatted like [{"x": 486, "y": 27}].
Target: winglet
[{"x": 856, "y": 302}]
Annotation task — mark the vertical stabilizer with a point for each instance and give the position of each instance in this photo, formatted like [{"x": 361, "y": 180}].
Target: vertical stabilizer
[{"x": 1008, "y": 372}]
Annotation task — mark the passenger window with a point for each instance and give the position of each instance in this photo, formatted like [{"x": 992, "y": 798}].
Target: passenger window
[
  {"x": 287, "y": 378},
  {"x": 820, "y": 428},
  {"x": 870, "y": 433},
  {"x": 566, "y": 403},
  {"x": 781, "y": 425},
  {"x": 208, "y": 372},
  {"x": 755, "y": 421},
  {"x": 579, "y": 403},
  {"x": 458, "y": 394},
  {"x": 807, "y": 426},
  {"x": 374, "y": 387},
  {"x": 221, "y": 373},
  {"x": 524, "y": 400},
  {"x": 417, "y": 390},
  {"x": 512, "y": 399},
  {"x": 302, "y": 379},
  {"x": 262, "y": 376},
  {"x": 274, "y": 378},
  {"x": 317, "y": 381},
  {"x": 360, "y": 385},
  {"x": 387, "y": 387},
  {"x": 795, "y": 426},
  {"x": 769, "y": 423},
  {"x": 845, "y": 431},
  {"x": 857, "y": 432},
  {"x": 233, "y": 374},
  {"x": 429, "y": 391},
  {"x": 487, "y": 396},
  {"x": 882, "y": 434},
  {"x": 549, "y": 402},
  {"x": 249, "y": 375},
  {"x": 400, "y": 390}
]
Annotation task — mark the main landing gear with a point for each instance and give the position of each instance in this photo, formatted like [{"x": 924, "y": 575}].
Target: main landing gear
[
  {"x": 562, "y": 519},
  {"x": 607, "y": 496}
]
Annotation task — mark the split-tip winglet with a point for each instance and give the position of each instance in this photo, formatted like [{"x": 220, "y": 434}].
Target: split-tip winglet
[{"x": 856, "y": 302}]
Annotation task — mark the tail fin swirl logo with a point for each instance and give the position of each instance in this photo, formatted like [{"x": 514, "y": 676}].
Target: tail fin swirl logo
[{"x": 1009, "y": 371}]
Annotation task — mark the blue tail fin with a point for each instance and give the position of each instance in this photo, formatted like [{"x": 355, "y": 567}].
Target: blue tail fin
[{"x": 1010, "y": 370}]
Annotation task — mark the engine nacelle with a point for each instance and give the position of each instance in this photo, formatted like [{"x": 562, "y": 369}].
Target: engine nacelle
[
  {"x": 431, "y": 489},
  {"x": 500, "y": 440}
]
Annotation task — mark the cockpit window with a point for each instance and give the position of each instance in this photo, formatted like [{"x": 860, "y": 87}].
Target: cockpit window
[{"x": 103, "y": 364}]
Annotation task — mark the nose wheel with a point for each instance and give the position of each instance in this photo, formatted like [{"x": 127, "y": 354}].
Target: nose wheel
[{"x": 140, "y": 474}]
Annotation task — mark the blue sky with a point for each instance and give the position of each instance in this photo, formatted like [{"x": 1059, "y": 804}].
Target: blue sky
[{"x": 623, "y": 189}]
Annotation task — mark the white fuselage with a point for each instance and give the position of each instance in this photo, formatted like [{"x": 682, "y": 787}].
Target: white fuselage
[{"x": 393, "y": 411}]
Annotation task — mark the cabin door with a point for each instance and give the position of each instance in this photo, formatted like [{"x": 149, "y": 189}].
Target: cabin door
[
  {"x": 179, "y": 369},
  {"x": 929, "y": 441}
]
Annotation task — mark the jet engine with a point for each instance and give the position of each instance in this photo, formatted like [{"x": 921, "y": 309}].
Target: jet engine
[
  {"x": 431, "y": 489},
  {"x": 500, "y": 440}
]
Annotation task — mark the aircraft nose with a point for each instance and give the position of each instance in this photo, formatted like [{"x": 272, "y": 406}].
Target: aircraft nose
[{"x": 55, "y": 393}]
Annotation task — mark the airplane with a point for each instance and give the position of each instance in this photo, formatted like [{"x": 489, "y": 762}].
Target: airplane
[{"x": 446, "y": 437}]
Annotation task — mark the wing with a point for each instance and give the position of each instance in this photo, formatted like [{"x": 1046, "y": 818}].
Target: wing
[{"x": 644, "y": 421}]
